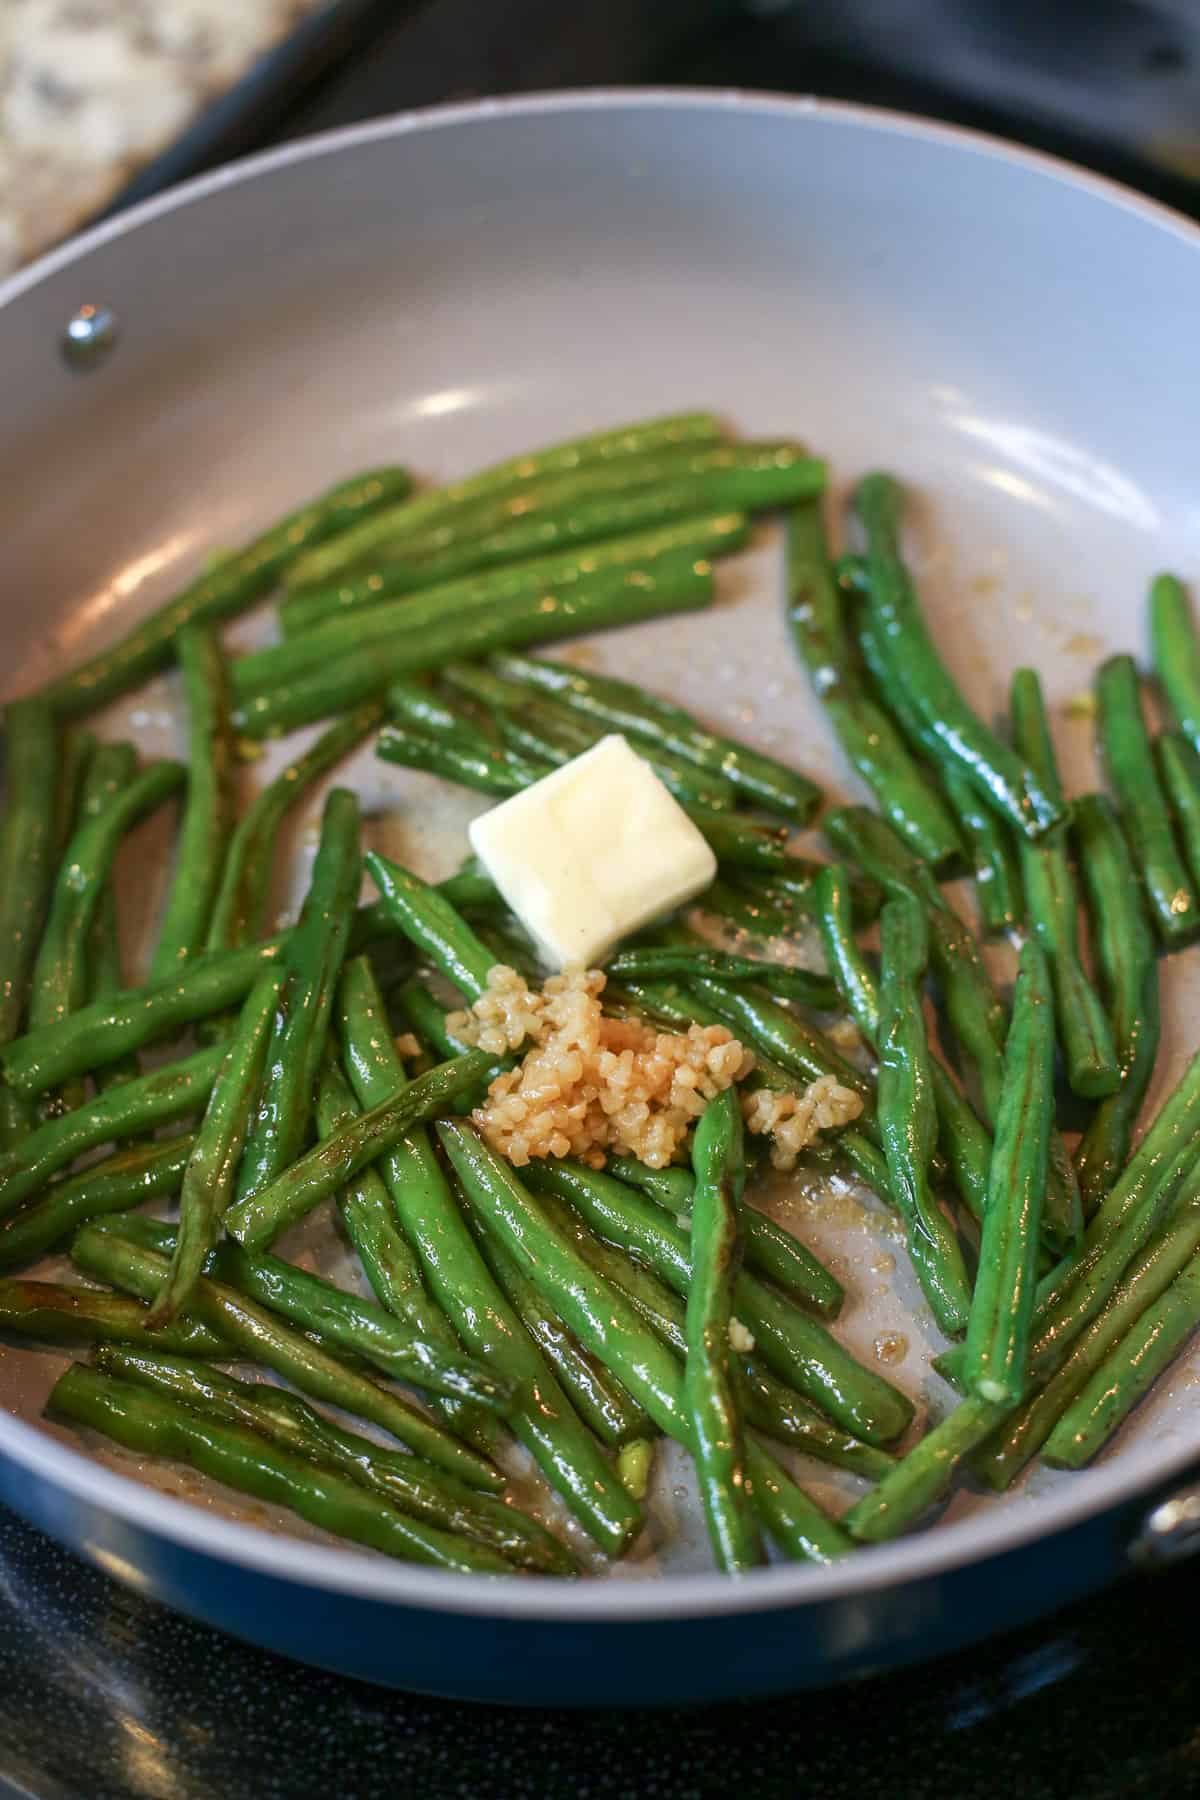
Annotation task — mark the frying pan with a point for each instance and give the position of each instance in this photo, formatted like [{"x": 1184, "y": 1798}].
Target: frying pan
[{"x": 1015, "y": 338}]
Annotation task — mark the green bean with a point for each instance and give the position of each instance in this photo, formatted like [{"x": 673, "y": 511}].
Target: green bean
[
  {"x": 60, "y": 973},
  {"x": 328, "y": 1314},
  {"x": 285, "y": 1419},
  {"x": 876, "y": 655},
  {"x": 596, "y": 450},
  {"x": 75, "y": 755},
  {"x": 526, "y": 733},
  {"x": 874, "y": 749},
  {"x": 852, "y": 973},
  {"x": 1008, "y": 784},
  {"x": 102, "y": 1032},
  {"x": 778, "y": 1412},
  {"x": 768, "y": 1249},
  {"x": 414, "y": 706},
  {"x": 366, "y": 1212},
  {"x": 976, "y": 1016},
  {"x": 599, "y": 1399},
  {"x": 109, "y": 1028},
  {"x": 653, "y": 1301},
  {"x": 482, "y": 687},
  {"x": 245, "y": 880},
  {"x": 737, "y": 843},
  {"x": 54, "y": 1313},
  {"x": 1129, "y": 762},
  {"x": 259, "y": 1218},
  {"x": 231, "y": 587},
  {"x": 797, "y": 1524},
  {"x": 740, "y": 843},
  {"x": 556, "y": 516},
  {"x": 1003, "y": 1306},
  {"x": 672, "y": 1187},
  {"x": 621, "y": 706},
  {"x": 923, "y": 1477},
  {"x": 1053, "y": 902},
  {"x": 510, "y": 947},
  {"x": 252, "y": 1333},
  {"x": 608, "y": 1326},
  {"x": 851, "y": 573},
  {"x": 767, "y": 1403},
  {"x": 310, "y": 616},
  {"x": 1130, "y": 1371},
  {"x": 709, "y": 1396},
  {"x": 472, "y": 886},
  {"x": 487, "y": 768},
  {"x": 122, "y": 1181},
  {"x": 756, "y": 852},
  {"x": 635, "y": 1464},
  {"x": 106, "y": 979},
  {"x": 1179, "y": 773},
  {"x": 798, "y": 1349},
  {"x": 600, "y": 603},
  {"x": 1066, "y": 1371},
  {"x": 965, "y": 1142},
  {"x": 974, "y": 1011},
  {"x": 652, "y": 962},
  {"x": 524, "y": 713},
  {"x": 744, "y": 909},
  {"x": 26, "y": 851},
  {"x": 1176, "y": 653},
  {"x": 684, "y": 1009},
  {"x": 802, "y": 1052},
  {"x": 391, "y": 1266},
  {"x": 208, "y": 810},
  {"x": 110, "y": 769},
  {"x": 428, "y": 919},
  {"x": 427, "y": 1018},
  {"x": 784, "y": 1037},
  {"x": 796, "y": 882},
  {"x": 1123, "y": 948},
  {"x": 1126, "y": 1217},
  {"x": 581, "y": 505},
  {"x": 542, "y": 1419},
  {"x": 983, "y": 832},
  {"x": 211, "y": 1174},
  {"x": 139, "y": 1106},
  {"x": 908, "y": 1115},
  {"x": 997, "y": 876},
  {"x": 154, "y": 1425},
  {"x": 539, "y": 728},
  {"x": 312, "y": 962}
]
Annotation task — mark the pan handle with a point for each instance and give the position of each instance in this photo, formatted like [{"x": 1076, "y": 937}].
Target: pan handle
[{"x": 1170, "y": 1531}]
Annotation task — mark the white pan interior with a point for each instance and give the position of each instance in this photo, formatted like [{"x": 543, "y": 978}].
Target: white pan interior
[{"x": 1018, "y": 342}]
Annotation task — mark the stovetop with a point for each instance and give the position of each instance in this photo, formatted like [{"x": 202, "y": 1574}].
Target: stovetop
[
  {"x": 105, "y": 1696},
  {"x": 109, "y": 1697}
]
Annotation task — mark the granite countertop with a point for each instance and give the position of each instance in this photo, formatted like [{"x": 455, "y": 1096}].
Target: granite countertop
[{"x": 91, "y": 89}]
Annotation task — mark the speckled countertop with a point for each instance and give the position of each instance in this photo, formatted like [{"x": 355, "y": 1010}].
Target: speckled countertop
[{"x": 92, "y": 89}]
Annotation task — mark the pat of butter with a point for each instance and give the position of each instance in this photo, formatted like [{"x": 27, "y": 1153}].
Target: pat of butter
[{"x": 592, "y": 852}]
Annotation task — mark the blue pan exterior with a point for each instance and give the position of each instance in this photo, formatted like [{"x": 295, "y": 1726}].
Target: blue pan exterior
[{"x": 469, "y": 1656}]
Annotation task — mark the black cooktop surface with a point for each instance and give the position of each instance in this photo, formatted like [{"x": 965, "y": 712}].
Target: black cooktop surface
[{"x": 108, "y": 1697}]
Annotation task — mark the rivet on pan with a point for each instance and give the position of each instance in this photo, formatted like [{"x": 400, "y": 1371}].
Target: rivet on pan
[{"x": 90, "y": 335}]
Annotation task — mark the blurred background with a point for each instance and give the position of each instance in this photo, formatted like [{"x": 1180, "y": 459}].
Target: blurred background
[{"x": 105, "y": 101}]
